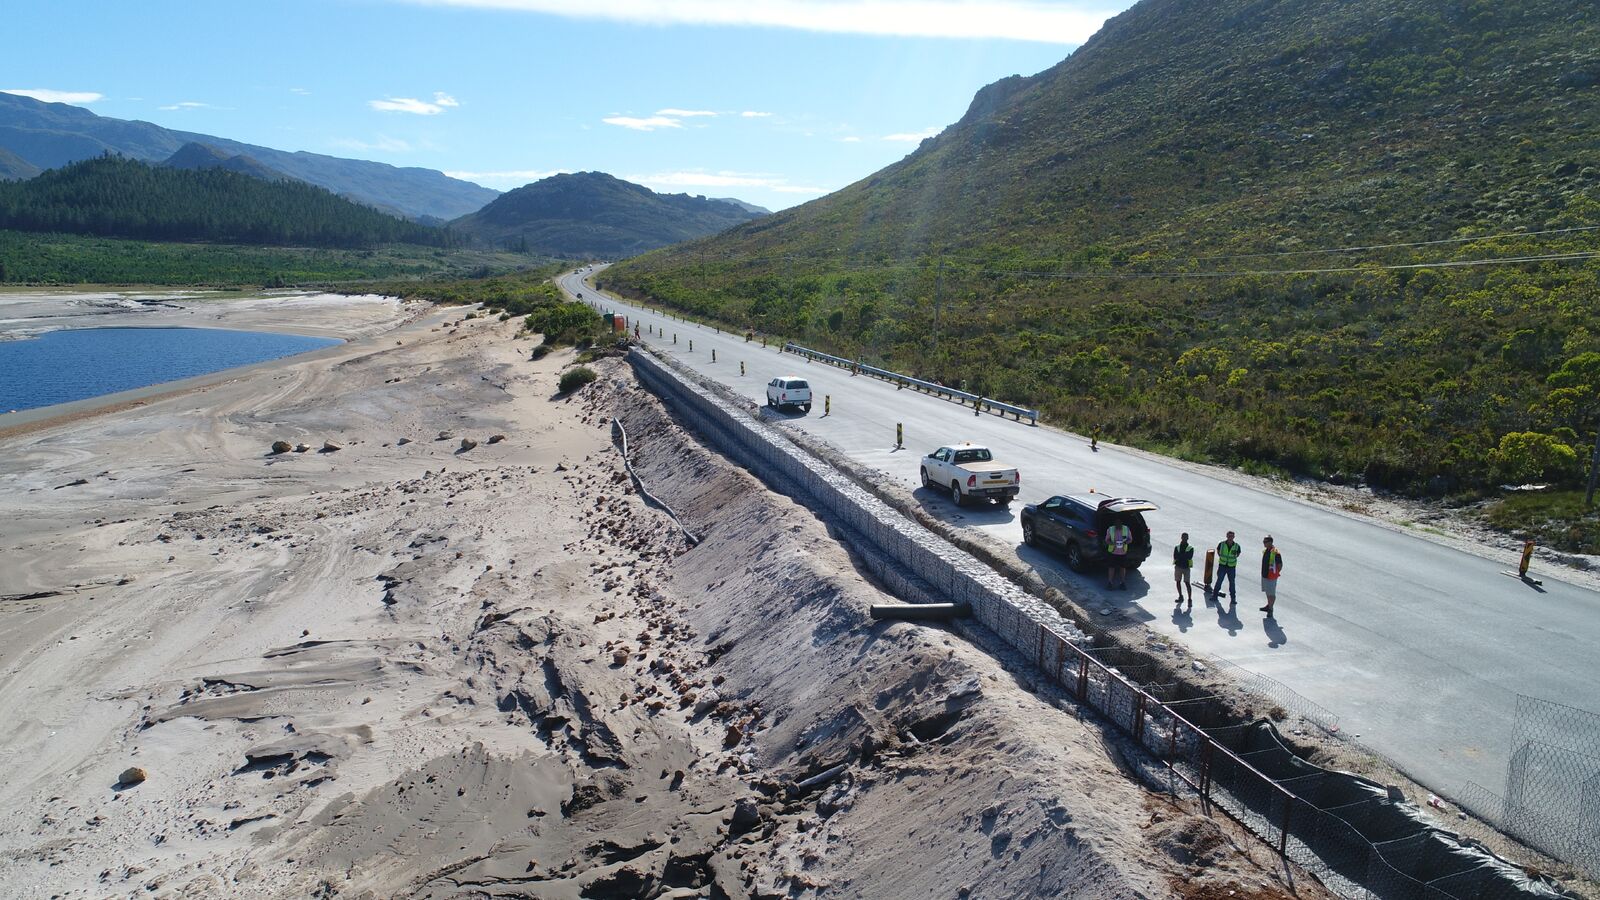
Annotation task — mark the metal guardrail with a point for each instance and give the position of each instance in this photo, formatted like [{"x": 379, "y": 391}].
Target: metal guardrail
[{"x": 978, "y": 401}]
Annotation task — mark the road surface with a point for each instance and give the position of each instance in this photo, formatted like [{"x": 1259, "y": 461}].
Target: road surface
[{"x": 1420, "y": 649}]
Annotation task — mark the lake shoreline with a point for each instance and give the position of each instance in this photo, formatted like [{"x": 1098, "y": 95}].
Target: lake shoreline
[{"x": 353, "y": 320}]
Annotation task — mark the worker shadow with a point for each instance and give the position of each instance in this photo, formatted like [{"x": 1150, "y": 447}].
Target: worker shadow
[
  {"x": 1276, "y": 637},
  {"x": 1227, "y": 615},
  {"x": 1183, "y": 617}
]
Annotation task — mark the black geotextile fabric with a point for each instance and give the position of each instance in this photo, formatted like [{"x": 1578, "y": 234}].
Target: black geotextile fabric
[{"x": 1363, "y": 831}]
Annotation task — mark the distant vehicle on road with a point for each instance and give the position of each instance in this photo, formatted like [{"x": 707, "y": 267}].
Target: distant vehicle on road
[
  {"x": 971, "y": 473},
  {"x": 1078, "y": 524},
  {"x": 789, "y": 391}
]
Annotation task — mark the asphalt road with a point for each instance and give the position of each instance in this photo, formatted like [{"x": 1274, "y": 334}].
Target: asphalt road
[{"x": 1420, "y": 649}]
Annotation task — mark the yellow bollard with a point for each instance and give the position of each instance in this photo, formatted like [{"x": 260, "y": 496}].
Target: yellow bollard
[
  {"x": 827, "y": 405},
  {"x": 713, "y": 354},
  {"x": 674, "y": 337},
  {"x": 741, "y": 368},
  {"x": 899, "y": 435},
  {"x": 1211, "y": 560},
  {"x": 763, "y": 342},
  {"x": 1527, "y": 554},
  {"x": 691, "y": 345}
]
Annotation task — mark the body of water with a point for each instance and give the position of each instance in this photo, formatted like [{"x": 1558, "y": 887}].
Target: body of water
[{"x": 62, "y": 366}]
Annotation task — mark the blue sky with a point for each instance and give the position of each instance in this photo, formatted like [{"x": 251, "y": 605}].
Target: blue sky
[{"x": 771, "y": 101}]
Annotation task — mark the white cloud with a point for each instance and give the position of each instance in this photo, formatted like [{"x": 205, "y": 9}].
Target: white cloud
[
  {"x": 1042, "y": 21},
  {"x": 185, "y": 104},
  {"x": 684, "y": 113},
  {"x": 752, "y": 114},
  {"x": 49, "y": 96},
  {"x": 913, "y": 137},
  {"x": 383, "y": 143},
  {"x": 414, "y": 106},
  {"x": 648, "y": 124},
  {"x": 301, "y": 91},
  {"x": 511, "y": 178}
]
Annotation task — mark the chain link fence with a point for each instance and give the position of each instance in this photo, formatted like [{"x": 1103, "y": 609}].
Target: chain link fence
[
  {"x": 1552, "y": 798},
  {"x": 1356, "y": 836}
]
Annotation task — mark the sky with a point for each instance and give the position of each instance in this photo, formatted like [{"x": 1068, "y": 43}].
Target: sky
[{"x": 774, "y": 102}]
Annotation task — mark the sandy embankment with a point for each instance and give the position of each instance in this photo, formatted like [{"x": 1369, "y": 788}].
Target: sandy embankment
[{"x": 411, "y": 670}]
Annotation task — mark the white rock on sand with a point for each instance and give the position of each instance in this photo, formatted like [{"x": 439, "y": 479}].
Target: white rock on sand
[{"x": 429, "y": 673}]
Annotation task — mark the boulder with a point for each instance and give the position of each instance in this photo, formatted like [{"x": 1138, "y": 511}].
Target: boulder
[
  {"x": 131, "y": 776},
  {"x": 301, "y": 448},
  {"x": 745, "y": 816},
  {"x": 402, "y": 442},
  {"x": 331, "y": 447},
  {"x": 281, "y": 446},
  {"x": 468, "y": 443},
  {"x": 496, "y": 438},
  {"x": 444, "y": 435}
]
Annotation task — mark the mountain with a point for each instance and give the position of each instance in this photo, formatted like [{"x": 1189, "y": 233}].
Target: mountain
[
  {"x": 50, "y": 135},
  {"x": 13, "y": 167},
  {"x": 1181, "y": 232},
  {"x": 747, "y": 207},
  {"x": 196, "y": 156},
  {"x": 595, "y": 215},
  {"x": 113, "y": 196}
]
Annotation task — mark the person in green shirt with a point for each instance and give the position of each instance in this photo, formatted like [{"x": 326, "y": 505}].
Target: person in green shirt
[
  {"x": 1228, "y": 567},
  {"x": 1182, "y": 565}
]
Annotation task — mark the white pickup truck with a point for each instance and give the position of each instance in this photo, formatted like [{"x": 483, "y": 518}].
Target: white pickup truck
[{"x": 971, "y": 473}]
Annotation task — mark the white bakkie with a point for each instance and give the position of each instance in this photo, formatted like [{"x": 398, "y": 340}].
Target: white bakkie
[
  {"x": 788, "y": 391},
  {"x": 971, "y": 474}
]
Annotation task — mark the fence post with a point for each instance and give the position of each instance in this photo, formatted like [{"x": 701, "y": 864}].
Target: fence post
[
  {"x": 1283, "y": 832},
  {"x": 1205, "y": 768},
  {"x": 1083, "y": 677},
  {"x": 1138, "y": 716}
]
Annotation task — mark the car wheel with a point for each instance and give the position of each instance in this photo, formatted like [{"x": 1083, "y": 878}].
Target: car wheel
[
  {"x": 1027, "y": 534},
  {"x": 925, "y": 481},
  {"x": 1074, "y": 557},
  {"x": 955, "y": 493},
  {"x": 806, "y": 408}
]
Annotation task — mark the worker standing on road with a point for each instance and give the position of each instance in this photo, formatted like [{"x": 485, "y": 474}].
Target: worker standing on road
[
  {"x": 1271, "y": 568},
  {"x": 1182, "y": 565},
  {"x": 1119, "y": 538},
  {"x": 1228, "y": 567}
]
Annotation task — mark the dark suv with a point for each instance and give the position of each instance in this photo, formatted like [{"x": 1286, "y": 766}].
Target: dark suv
[{"x": 1078, "y": 526}]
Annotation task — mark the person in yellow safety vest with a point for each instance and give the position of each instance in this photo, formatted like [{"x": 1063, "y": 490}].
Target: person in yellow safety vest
[
  {"x": 1119, "y": 539},
  {"x": 1271, "y": 568},
  {"x": 1228, "y": 567}
]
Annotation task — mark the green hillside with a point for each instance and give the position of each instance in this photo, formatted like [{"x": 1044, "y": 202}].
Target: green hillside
[
  {"x": 1156, "y": 235},
  {"x": 592, "y": 215},
  {"x": 115, "y": 197}
]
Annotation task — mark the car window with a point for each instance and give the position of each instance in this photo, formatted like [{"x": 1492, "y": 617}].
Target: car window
[
  {"x": 799, "y": 384},
  {"x": 943, "y": 455},
  {"x": 972, "y": 456},
  {"x": 1053, "y": 503}
]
